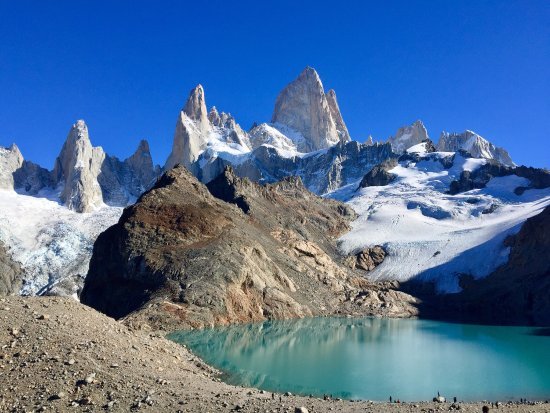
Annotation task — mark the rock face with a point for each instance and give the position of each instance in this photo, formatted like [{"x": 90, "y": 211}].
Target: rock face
[
  {"x": 304, "y": 107},
  {"x": 10, "y": 161},
  {"x": 183, "y": 257},
  {"x": 197, "y": 133},
  {"x": 77, "y": 168},
  {"x": 192, "y": 130},
  {"x": 379, "y": 175},
  {"x": 475, "y": 145},
  {"x": 341, "y": 127},
  {"x": 517, "y": 292},
  {"x": 10, "y": 273},
  {"x": 122, "y": 182},
  {"x": 408, "y": 136}
]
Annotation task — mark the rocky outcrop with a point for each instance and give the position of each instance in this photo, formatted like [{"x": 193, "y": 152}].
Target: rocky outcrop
[
  {"x": 475, "y": 145},
  {"x": 408, "y": 136},
  {"x": 379, "y": 175},
  {"x": 76, "y": 169},
  {"x": 304, "y": 107},
  {"x": 539, "y": 178},
  {"x": 367, "y": 259},
  {"x": 183, "y": 257},
  {"x": 10, "y": 273}
]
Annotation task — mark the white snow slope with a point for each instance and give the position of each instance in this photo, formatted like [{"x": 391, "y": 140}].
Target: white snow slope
[
  {"x": 51, "y": 242},
  {"x": 433, "y": 236}
]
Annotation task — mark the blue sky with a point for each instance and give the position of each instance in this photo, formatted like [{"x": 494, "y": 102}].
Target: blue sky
[{"x": 126, "y": 67}]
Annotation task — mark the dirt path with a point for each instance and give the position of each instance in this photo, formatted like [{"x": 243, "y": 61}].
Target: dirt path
[{"x": 58, "y": 355}]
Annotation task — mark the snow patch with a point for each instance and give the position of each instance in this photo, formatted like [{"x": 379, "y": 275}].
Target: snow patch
[{"x": 432, "y": 236}]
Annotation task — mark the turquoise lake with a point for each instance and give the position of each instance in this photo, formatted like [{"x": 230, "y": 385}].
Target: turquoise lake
[{"x": 369, "y": 358}]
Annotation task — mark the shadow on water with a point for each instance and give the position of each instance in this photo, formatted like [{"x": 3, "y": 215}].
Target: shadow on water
[{"x": 543, "y": 332}]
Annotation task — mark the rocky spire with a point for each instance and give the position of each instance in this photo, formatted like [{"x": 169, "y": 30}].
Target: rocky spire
[
  {"x": 337, "y": 116},
  {"x": 303, "y": 106},
  {"x": 192, "y": 129},
  {"x": 369, "y": 141},
  {"x": 77, "y": 168},
  {"x": 408, "y": 136},
  {"x": 195, "y": 107},
  {"x": 214, "y": 116}
]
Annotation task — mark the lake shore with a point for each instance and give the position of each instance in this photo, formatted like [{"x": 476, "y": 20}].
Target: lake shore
[{"x": 59, "y": 355}]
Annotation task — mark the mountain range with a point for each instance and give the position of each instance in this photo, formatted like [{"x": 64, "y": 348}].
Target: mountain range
[{"x": 438, "y": 212}]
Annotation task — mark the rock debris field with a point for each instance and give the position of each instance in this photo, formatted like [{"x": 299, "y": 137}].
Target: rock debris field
[{"x": 58, "y": 355}]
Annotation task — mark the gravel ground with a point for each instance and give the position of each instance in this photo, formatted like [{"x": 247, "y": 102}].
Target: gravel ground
[{"x": 61, "y": 356}]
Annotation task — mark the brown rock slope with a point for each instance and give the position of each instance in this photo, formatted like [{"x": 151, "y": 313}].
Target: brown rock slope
[{"x": 183, "y": 257}]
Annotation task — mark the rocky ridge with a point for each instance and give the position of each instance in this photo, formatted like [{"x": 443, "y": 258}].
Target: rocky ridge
[
  {"x": 84, "y": 177},
  {"x": 305, "y": 119},
  {"x": 475, "y": 145},
  {"x": 269, "y": 252}
]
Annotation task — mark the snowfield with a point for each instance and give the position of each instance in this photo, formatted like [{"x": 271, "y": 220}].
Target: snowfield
[
  {"x": 433, "y": 236},
  {"x": 52, "y": 243}
]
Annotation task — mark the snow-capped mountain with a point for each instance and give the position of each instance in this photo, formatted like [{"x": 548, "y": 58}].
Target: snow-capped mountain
[
  {"x": 307, "y": 137},
  {"x": 437, "y": 214},
  {"x": 431, "y": 235}
]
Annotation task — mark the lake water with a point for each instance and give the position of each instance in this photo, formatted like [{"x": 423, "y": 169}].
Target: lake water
[{"x": 368, "y": 358}]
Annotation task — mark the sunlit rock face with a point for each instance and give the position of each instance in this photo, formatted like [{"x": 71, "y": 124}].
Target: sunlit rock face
[
  {"x": 304, "y": 107},
  {"x": 77, "y": 168}
]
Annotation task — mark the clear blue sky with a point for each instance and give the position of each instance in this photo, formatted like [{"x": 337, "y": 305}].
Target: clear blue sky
[{"x": 126, "y": 67}]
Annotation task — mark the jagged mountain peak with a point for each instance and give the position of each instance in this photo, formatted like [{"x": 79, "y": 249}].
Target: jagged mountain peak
[
  {"x": 304, "y": 107},
  {"x": 195, "y": 107},
  {"x": 214, "y": 116},
  {"x": 143, "y": 146},
  {"x": 407, "y": 136},
  {"x": 310, "y": 74}
]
